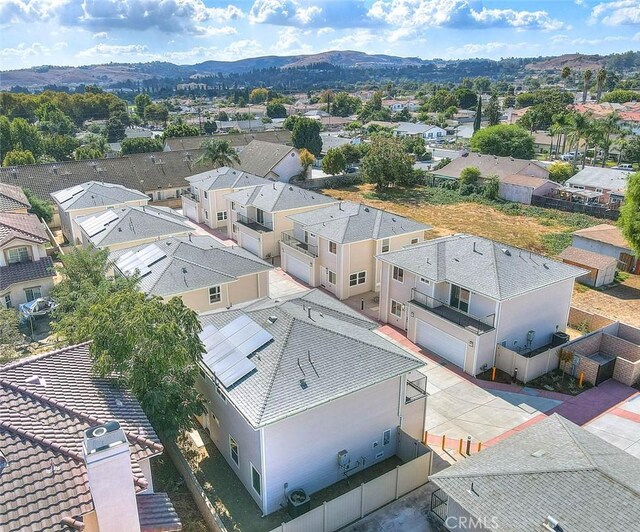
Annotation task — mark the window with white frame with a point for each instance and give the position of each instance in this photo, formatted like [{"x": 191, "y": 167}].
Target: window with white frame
[
  {"x": 256, "y": 481},
  {"x": 214, "y": 294},
  {"x": 396, "y": 308},
  {"x": 332, "y": 277},
  {"x": 234, "y": 450},
  {"x": 333, "y": 247},
  {"x": 385, "y": 245},
  {"x": 424, "y": 280},
  {"x": 7, "y": 301},
  {"x": 206, "y": 215},
  {"x": 398, "y": 274},
  {"x": 357, "y": 278},
  {"x": 17, "y": 255},
  {"x": 222, "y": 215},
  {"x": 33, "y": 293}
]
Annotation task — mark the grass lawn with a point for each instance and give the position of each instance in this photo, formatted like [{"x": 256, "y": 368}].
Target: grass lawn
[{"x": 541, "y": 230}]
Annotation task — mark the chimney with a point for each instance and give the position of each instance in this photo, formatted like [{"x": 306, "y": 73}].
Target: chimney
[{"x": 108, "y": 462}]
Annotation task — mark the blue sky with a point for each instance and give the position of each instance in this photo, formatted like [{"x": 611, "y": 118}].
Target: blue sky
[{"x": 76, "y": 32}]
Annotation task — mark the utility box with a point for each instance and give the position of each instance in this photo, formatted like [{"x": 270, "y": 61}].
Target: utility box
[{"x": 343, "y": 458}]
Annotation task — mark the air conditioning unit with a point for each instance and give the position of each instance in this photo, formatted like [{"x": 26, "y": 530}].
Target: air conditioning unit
[{"x": 344, "y": 459}]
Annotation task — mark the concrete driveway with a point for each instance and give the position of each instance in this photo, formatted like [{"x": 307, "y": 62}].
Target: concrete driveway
[
  {"x": 281, "y": 284},
  {"x": 620, "y": 426}
]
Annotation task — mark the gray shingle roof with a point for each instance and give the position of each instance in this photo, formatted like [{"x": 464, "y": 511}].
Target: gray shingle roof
[
  {"x": 225, "y": 177},
  {"x": 587, "y": 258},
  {"x": 550, "y": 468},
  {"x": 260, "y": 157},
  {"x": 197, "y": 263},
  {"x": 41, "y": 438},
  {"x": 352, "y": 222},
  {"x": 12, "y": 198},
  {"x": 96, "y": 193},
  {"x": 490, "y": 165},
  {"x": 26, "y": 271},
  {"x": 137, "y": 223},
  {"x": 347, "y": 354},
  {"x": 142, "y": 171},
  {"x": 491, "y": 268},
  {"x": 235, "y": 139},
  {"x": 604, "y": 178},
  {"x": 278, "y": 196}
]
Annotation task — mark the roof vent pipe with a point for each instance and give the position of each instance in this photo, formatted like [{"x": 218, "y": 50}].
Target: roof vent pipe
[{"x": 309, "y": 312}]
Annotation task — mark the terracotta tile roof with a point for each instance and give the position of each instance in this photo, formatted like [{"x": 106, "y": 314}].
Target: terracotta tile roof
[
  {"x": 609, "y": 234},
  {"x": 156, "y": 513},
  {"x": 26, "y": 271},
  {"x": 23, "y": 226},
  {"x": 587, "y": 258},
  {"x": 46, "y": 402},
  {"x": 12, "y": 198}
]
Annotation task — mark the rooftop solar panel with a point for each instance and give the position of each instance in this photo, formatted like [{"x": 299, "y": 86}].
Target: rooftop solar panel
[
  {"x": 235, "y": 373},
  {"x": 67, "y": 194}
]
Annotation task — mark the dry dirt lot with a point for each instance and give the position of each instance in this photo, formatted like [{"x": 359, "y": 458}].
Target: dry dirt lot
[{"x": 621, "y": 302}]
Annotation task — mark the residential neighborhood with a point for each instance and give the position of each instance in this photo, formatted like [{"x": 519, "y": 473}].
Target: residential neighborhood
[{"x": 279, "y": 267}]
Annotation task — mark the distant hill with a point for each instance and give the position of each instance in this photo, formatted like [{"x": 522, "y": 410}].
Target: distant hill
[{"x": 573, "y": 61}]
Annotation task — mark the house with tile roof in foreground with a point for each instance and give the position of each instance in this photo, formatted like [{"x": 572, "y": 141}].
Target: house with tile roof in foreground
[
  {"x": 551, "y": 476},
  {"x": 13, "y": 199},
  {"x": 26, "y": 272},
  {"x": 459, "y": 296},
  {"x": 310, "y": 395},
  {"x": 75, "y": 450},
  {"x": 335, "y": 247}
]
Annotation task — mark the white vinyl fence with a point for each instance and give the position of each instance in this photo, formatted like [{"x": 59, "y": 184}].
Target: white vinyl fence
[{"x": 363, "y": 500}]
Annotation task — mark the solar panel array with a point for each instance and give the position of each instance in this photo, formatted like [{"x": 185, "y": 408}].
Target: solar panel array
[
  {"x": 67, "y": 194},
  {"x": 227, "y": 349},
  {"x": 97, "y": 224},
  {"x": 140, "y": 260}
]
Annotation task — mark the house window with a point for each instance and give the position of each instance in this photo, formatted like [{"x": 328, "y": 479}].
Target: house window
[
  {"x": 233, "y": 205},
  {"x": 234, "y": 228},
  {"x": 396, "y": 308},
  {"x": 221, "y": 393},
  {"x": 398, "y": 274},
  {"x": 159, "y": 195},
  {"x": 32, "y": 293},
  {"x": 205, "y": 195},
  {"x": 357, "y": 278},
  {"x": 386, "y": 437},
  {"x": 215, "y": 419},
  {"x": 385, "y": 245},
  {"x": 260, "y": 216},
  {"x": 206, "y": 215},
  {"x": 424, "y": 280},
  {"x": 7, "y": 301},
  {"x": 256, "y": 481},
  {"x": 333, "y": 247},
  {"x": 222, "y": 215},
  {"x": 214, "y": 294},
  {"x": 459, "y": 298},
  {"x": 598, "y": 190},
  {"x": 332, "y": 277},
  {"x": 17, "y": 255},
  {"x": 234, "y": 451},
  {"x": 414, "y": 240}
]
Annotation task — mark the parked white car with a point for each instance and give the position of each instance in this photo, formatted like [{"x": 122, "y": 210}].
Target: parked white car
[
  {"x": 628, "y": 167},
  {"x": 569, "y": 156}
]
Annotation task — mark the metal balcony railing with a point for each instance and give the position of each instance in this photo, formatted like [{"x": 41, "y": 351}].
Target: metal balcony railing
[
  {"x": 292, "y": 241},
  {"x": 261, "y": 227},
  {"x": 452, "y": 314},
  {"x": 191, "y": 196}
]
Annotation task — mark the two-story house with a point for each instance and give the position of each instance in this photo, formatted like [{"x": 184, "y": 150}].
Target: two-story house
[
  {"x": 205, "y": 203},
  {"x": 459, "y": 296},
  {"x": 126, "y": 227},
  {"x": 258, "y": 215},
  {"x": 90, "y": 198},
  {"x": 204, "y": 273},
  {"x": 302, "y": 392},
  {"x": 26, "y": 272},
  {"x": 335, "y": 247},
  {"x": 271, "y": 161}
]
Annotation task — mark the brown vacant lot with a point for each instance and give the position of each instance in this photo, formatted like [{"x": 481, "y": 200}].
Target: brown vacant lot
[{"x": 621, "y": 302}]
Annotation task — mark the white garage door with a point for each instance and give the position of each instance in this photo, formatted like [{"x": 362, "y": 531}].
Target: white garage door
[
  {"x": 298, "y": 268},
  {"x": 250, "y": 244},
  {"x": 440, "y": 343},
  {"x": 190, "y": 211}
]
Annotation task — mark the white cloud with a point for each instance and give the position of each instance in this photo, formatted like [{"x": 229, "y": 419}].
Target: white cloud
[
  {"x": 100, "y": 35},
  {"x": 354, "y": 39},
  {"x": 22, "y": 51},
  {"x": 487, "y": 49},
  {"x": 111, "y": 50},
  {"x": 290, "y": 40},
  {"x": 325, "y": 31},
  {"x": 211, "y": 31},
  {"x": 14, "y": 11},
  {"x": 636, "y": 37},
  {"x": 306, "y": 14},
  {"x": 582, "y": 41},
  {"x": 617, "y": 13},
  {"x": 271, "y": 11},
  {"x": 241, "y": 49}
]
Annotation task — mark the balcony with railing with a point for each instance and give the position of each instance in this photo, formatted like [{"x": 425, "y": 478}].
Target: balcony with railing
[
  {"x": 452, "y": 314},
  {"x": 190, "y": 195},
  {"x": 260, "y": 227},
  {"x": 303, "y": 247}
]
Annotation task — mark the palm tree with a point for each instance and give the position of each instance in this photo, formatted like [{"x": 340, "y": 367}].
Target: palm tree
[
  {"x": 604, "y": 128},
  {"x": 560, "y": 127},
  {"x": 586, "y": 78},
  {"x": 578, "y": 129},
  {"x": 566, "y": 72},
  {"x": 600, "y": 78},
  {"x": 218, "y": 152}
]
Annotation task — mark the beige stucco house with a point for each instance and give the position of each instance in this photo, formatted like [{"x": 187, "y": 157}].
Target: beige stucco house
[
  {"x": 335, "y": 247},
  {"x": 204, "y": 273},
  {"x": 257, "y": 216}
]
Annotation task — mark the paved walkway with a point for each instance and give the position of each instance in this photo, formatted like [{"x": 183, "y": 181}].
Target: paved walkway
[{"x": 620, "y": 425}]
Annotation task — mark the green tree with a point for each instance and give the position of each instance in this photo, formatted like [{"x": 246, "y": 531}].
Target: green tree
[
  {"x": 631, "y": 149},
  {"x": 180, "y": 130},
  {"x": 629, "y": 220},
  {"x": 564, "y": 74},
  {"x": 5, "y": 136},
  {"x": 85, "y": 153},
  {"x": 441, "y": 100},
  {"x": 504, "y": 140},
  {"x": 150, "y": 346},
  {"x": 442, "y": 163},
  {"x": 18, "y": 157},
  {"x": 41, "y": 208},
  {"x": 601, "y": 77},
  {"x": 467, "y": 99},
  {"x": 491, "y": 187},
  {"x": 560, "y": 171},
  {"x": 223, "y": 116},
  {"x": 10, "y": 336},
  {"x": 156, "y": 113},
  {"x": 477, "y": 121},
  {"x": 210, "y": 127},
  {"x": 414, "y": 145},
  {"x": 334, "y": 162},
  {"x": 258, "y": 95},
  {"x": 351, "y": 152},
  {"x": 115, "y": 130},
  {"x": 219, "y": 153},
  {"x": 306, "y": 159},
  {"x": 470, "y": 175},
  {"x": 345, "y": 105},
  {"x": 482, "y": 84},
  {"x": 586, "y": 79},
  {"x": 386, "y": 163},
  {"x": 493, "y": 111},
  {"x": 373, "y": 110},
  {"x": 276, "y": 109},
  {"x": 25, "y": 136},
  {"x": 141, "y": 145},
  {"x": 59, "y": 147},
  {"x": 141, "y": 101},
  {"x": 306, "y": 134},
  {"x": 621, "y": 96},
  {"x": 52, "y": 120}
]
